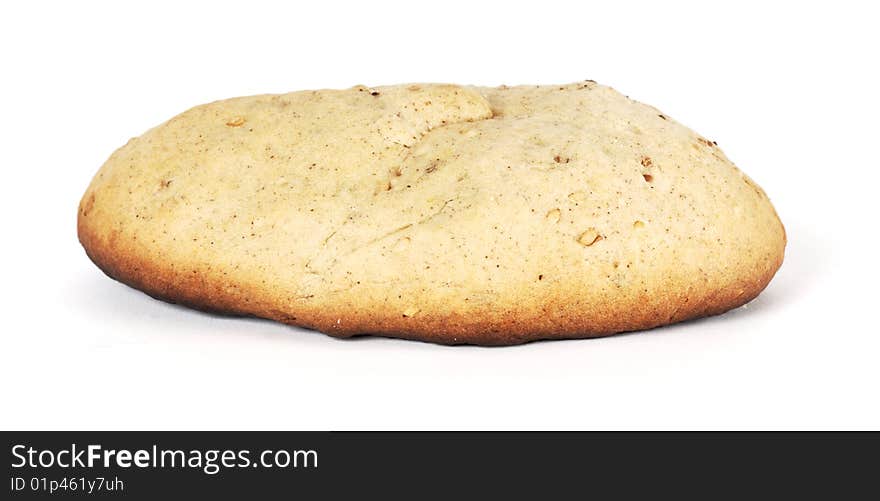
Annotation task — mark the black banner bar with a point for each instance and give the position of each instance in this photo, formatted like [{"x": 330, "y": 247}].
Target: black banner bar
[{"x": 249, "y": 465}]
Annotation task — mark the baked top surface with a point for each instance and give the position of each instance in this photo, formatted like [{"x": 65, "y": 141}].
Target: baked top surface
[{"x": 437, "y": 212}]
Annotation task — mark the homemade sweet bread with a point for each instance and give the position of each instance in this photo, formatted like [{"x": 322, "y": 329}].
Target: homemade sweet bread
[{"x": 443, "y": 213}]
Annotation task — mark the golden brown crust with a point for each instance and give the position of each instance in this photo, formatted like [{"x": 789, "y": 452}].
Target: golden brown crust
[
  {"x": 202, "y": 290},
  {"x": 666, "y": 244}
]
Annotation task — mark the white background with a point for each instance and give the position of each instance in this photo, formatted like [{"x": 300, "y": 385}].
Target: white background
[{"x": 790, "y": 92}]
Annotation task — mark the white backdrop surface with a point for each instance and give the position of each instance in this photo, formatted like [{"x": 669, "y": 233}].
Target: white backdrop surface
[{"x": 788, "y": 90}]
